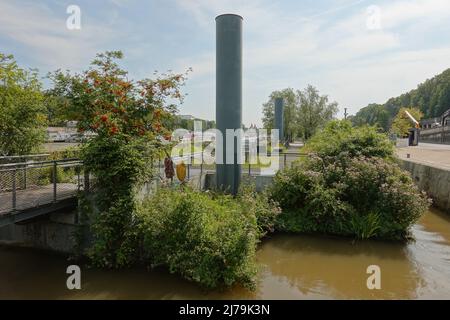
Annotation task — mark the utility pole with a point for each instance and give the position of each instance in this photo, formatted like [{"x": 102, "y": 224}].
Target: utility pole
[{"x": 345, "y": 113}]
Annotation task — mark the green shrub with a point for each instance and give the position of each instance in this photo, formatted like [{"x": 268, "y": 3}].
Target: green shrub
[
  {"x": 360, "y": 197},
  {"x": 265, "y": 209},
  {"x": 207, "y": 239},
  {"x": 69, "y": 153},
  {"x": 119, "y": 166},
  {"x": 339, "y": 138}
]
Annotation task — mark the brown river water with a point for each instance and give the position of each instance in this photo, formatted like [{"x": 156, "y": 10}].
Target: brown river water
[{"x": 292, "y": 267}]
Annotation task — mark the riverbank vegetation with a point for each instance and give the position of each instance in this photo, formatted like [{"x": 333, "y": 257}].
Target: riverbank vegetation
[
  {"x": 351, "y": 186},
  {"x": 125, "y": 118},
  {"x": 205, "y": 237}
]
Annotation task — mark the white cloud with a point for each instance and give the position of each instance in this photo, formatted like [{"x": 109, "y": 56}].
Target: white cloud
[
  {"x": 355, "y": 65},
  {"x": 332, "y": 49},
  {"x": 44, "y": 34}
]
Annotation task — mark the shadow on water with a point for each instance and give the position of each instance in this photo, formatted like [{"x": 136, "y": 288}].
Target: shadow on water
[{"x": 292, "y": 267}]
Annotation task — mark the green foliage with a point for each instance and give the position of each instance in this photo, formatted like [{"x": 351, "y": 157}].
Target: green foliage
[
  {"x": 314, "y": 111},
  {"x": 188, "y": 124},
  {"x": 289, "y": 112},
  {"x": 373, "y": 115},
  {"x": 59, "y": 110},
  {"x": 363, "y": 197},
  {"x": 68, "y": 153},
  {"x": 305, "y": 112},
  {"x": 125, "y": 117},
  {"x": 432, "y": 98},
  {"x": 339, "y": 138},
  {"x": 207, "y": 239},
  {"x": 259, "y": 203},
  {"x": 402, "y": 123},
  {"x": 349, "y": 186},
  {"x": 118, "y": 166},
  {"x": 22, "y": 109}
]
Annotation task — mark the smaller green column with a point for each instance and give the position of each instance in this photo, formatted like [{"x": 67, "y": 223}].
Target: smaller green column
[{"x": 279, "y": 117}]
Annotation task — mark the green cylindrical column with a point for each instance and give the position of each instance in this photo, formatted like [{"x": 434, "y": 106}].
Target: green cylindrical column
[
  {"x": 279, "y": 117},
  {"x": 228, "y": 97}
]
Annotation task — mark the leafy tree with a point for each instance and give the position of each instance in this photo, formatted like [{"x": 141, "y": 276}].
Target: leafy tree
[
  {"x": 314, "y": 111},
  {"x": 289, "y": 112},
  {"x": 22, "y": 109},
  {"x": 126, "y": 118},
  {"x": 304, "y": 111},
  {"x": 402, "y": 123},
  {"x": 188, "y": 124},
  {"x": 58, "y": 109},
  {"x": 373, "y": 115}
]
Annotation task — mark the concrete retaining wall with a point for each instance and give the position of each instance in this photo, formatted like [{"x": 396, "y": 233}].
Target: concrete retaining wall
[
  {"x": 402, "y": 143},
  {"x": 53, "y": 232},
  {"x": 434, "y": 181}
]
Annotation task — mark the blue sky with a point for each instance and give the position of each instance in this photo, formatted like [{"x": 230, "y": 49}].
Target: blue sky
[{"x": 357, "y": 52}]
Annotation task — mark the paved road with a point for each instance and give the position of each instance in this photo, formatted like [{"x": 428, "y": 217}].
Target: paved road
[{"x": 435, "y": 155}]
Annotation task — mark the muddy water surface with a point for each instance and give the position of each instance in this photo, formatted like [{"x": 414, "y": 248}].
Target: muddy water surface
[{"x": 292, "y": 267}]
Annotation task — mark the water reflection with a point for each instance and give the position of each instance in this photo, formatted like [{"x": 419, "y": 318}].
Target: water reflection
[
  {"x": 292, "y": 267},
  {"x": 330, "y": 267}
]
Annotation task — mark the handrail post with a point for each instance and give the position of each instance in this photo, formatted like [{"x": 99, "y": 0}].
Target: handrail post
[
  {"x": 86, "y": 181},
  {"x": 78, "y": 168},
  {"x": 25, "y": 176},
  {"x": 201, "y": 172},
  {"x": 189, "y": 168},
  {"x": 201, "y": 164},
  {"x": 14, "y": 195},
  {"x": 160, "y": 167},
  {"x": 54, "y": 180}
]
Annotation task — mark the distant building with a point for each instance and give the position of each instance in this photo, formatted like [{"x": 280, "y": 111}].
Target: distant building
[
  {"x": 186, "y": 117},
  {"x": 63, "y": 134},
  {"x": 446, "y": 118},
  {"x": 430, "y": 123},
  {"x": 58, "y": 134}
]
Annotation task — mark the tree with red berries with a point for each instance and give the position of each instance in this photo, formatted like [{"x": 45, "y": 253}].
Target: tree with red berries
[{"x": 126, "y": 120}]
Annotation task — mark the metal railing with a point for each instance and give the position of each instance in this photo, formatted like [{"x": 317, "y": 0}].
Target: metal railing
[
  {"x": 24, "y": 158},
  {"x": 34, "y": 183},
  {"x": 286, "y": 159},
  {"x": 31, "y": 184}
]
